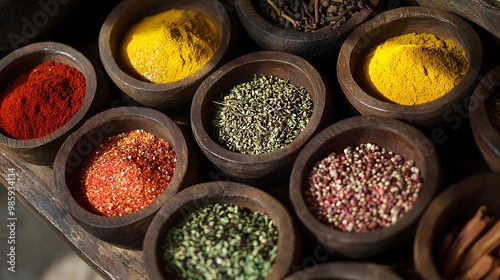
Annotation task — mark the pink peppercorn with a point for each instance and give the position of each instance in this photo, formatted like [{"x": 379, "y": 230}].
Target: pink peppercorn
[{"x": 363, "y": 188}]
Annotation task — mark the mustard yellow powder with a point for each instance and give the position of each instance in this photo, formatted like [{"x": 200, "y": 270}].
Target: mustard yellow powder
[
  {"x": 413, "y": 68},
  {"x": 169, "y": 46}
]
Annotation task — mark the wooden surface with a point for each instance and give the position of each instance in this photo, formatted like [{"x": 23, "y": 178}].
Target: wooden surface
[{"x": 35, "y": 188}]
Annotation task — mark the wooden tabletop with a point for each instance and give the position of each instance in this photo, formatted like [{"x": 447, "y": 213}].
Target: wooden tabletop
[{"x": 35, "y": 188}]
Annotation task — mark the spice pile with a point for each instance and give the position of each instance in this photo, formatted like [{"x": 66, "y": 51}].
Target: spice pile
[
  {"x": 125, "y": 173},
  {"x": 41, "y": 100},
  {"x": 493, "y": 110},
  {"x": 221, "y": 241},
  {"x": 362, "y": 188},
  {"x": 413, "y": 69},
  {"x": 261, "y": 116},
  {"x": 169, "y": 46},
  {"x": 309, "y": 15},
  {"x": 472, "y": 251}
]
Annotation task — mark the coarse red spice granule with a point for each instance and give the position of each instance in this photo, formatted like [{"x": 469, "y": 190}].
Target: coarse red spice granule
[{"x": 125, "y": 173}]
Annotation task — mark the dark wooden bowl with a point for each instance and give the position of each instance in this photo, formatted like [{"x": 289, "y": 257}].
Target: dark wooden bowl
[
  {"x": 323, "y": 43},
  {"x": 402, "y": 21},
  {"x": 42, "y": 150},
  {"x": 483, "y": 13},
  {"x": 391, "y": 134},
  {"x": 456, "y": 204},
  {"x": 196, "y": 196},
  {"x": 487, "y": 137},
  {"x": 266, "y": 168},
  {"x": 345, "y": 270},
  {"x": 128, "y": 230},
  {"x": 166, "y": 96}
]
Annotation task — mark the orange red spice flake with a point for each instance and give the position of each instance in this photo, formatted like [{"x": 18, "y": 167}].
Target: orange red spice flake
[{"x": 125, "y": 173}]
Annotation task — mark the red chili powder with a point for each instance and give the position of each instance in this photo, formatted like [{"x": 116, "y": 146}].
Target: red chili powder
[
  {"x": 41, "y": 100},
  {"x": 125, "y": 173}
]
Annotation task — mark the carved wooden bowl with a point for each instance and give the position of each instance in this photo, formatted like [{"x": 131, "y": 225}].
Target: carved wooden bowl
[
  {"x": 166, "y": 96},
  {"x": 345, "y": 270},
  {"x": 126, "y": 230},
  {"x": 454, "y": 206},
  {"x": 322, "y": 43},
  {"x": 42, "y": 150},
  {"x": 402, "y": 21},
  {"x": 487, "y": 136},
  {"x": 394, "y": 135},
  {"x": 199, "y": 195},
  {"x": 274, "y": 166}
]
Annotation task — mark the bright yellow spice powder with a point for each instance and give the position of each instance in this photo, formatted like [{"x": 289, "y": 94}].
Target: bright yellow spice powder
[
  {"x": 413, "y": 68},
  {"x": 169, "y": 46}
]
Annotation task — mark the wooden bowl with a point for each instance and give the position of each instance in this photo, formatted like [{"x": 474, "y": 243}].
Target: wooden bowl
[
  {"x": 487, "y": 137},
  {"x": 484, "y": 13},
  {"x": 42, "y": 150},
  {"x": 345, "y": 270},
  {"x": 128, "y": 230},
  {"x": 322, "y": 43},
  {"x": 165, "y": 96},
  {"x": 391, "y": 134},
  {"x": 196, "y": 196},
  {"x": 265, "y": 168},
  {"x": 456, "y": 204},
  {"x": 402, "y": 21}
]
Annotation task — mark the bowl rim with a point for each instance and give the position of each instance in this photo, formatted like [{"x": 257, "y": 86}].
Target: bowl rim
[
  {"x": 87, "y": 70},
  {"x": 249, "y": 16},
  {"x": 328, "y": 234},
  {"x": 345, "y": 270},
  {"x": 226, "y": 192},
  {"x": 422, "y": 246},
  {"x": 487, "y": 135},
  {"x": 105, "y": 122},
  {"x": 210, "y": 146},
  {"x": 374, "y": 25},
  {"x": 149, "y": 88}
]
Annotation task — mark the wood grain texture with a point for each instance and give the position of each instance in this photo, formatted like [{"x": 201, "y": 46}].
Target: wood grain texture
[
  {"x": 35, "y": 188},
  {"x": 485, "y": 13}
]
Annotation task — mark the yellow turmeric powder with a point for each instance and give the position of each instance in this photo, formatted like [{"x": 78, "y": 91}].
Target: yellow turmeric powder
[
  {"x": 170, "y": 45},
  {"x": 413, "y": 69}
]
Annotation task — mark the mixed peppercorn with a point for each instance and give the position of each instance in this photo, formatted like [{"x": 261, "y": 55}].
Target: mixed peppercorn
[{"x": 362, "y": 188}]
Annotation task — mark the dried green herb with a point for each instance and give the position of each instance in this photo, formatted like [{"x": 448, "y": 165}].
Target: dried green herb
[
  {"x": 221, "y": 241},
  {"x": 261, "y": 116}
]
